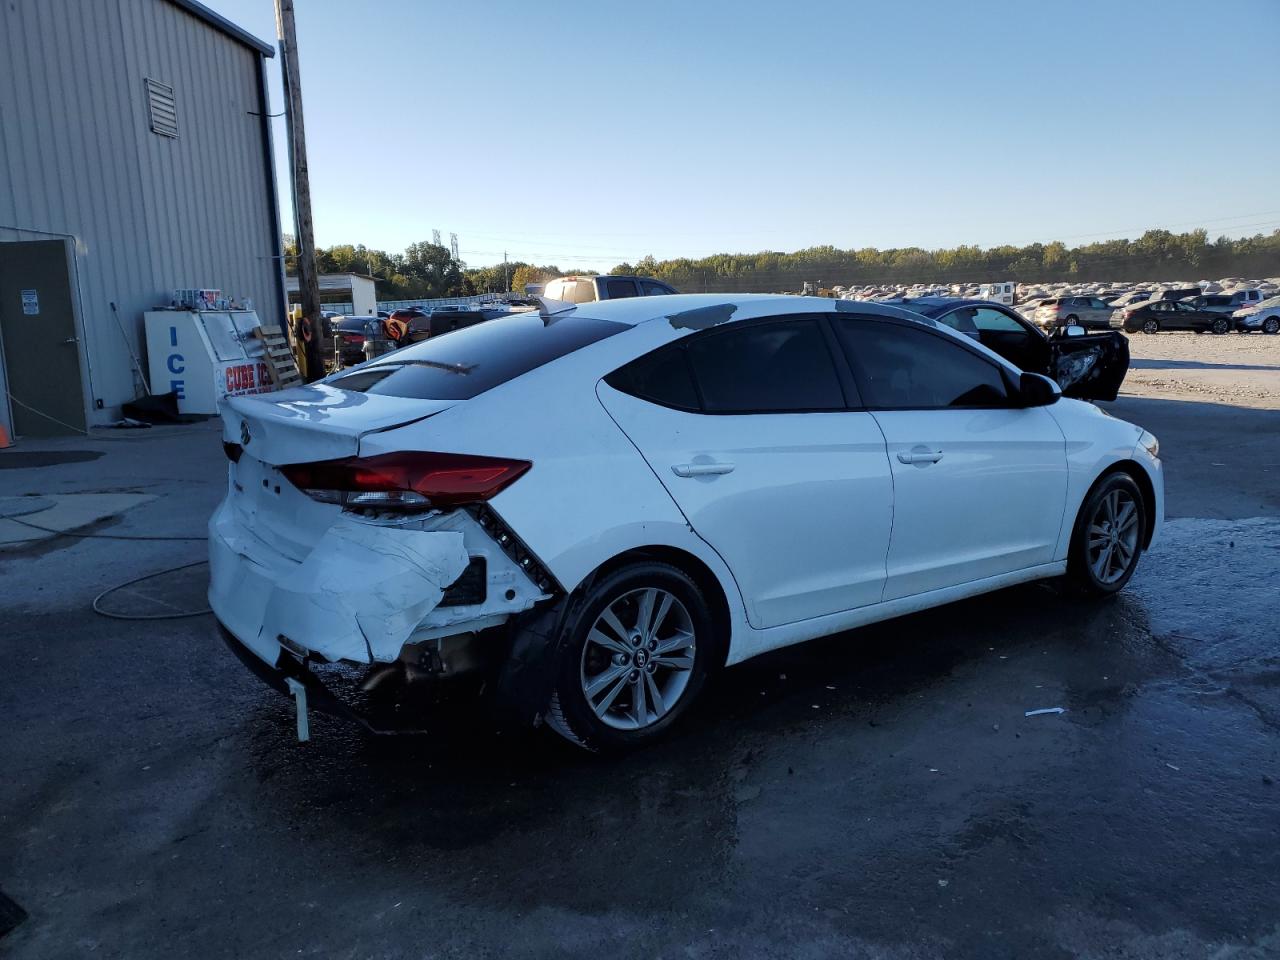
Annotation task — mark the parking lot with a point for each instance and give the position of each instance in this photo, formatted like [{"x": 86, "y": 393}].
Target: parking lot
[{"x": 881, "y": 793}]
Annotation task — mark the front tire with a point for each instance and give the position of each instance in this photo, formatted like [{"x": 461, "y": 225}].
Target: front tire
[
  {"x": 1271, "y": 325},
  {"x": 1220, "y": 326},
  {"x": 635, "y": 656},
  {"x": 1109, "y": 533},
  {"x": 1150, "y": 326}
]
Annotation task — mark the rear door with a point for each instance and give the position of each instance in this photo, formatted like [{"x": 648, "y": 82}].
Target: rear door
[
  {"x": 979, "y": 482},
  {"x": 749, "y": 428}
]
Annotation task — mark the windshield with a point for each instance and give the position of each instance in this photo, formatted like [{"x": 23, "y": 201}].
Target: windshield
[{"x": 465, "y": 363}]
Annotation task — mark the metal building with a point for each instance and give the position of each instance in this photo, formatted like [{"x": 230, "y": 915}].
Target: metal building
[{"x": 136, "y": 150}]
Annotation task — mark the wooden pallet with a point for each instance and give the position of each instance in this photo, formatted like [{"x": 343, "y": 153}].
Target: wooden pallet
[{"x": 278, "y": 356}]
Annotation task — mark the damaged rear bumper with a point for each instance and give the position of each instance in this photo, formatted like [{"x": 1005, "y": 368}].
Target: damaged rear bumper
[
  {"x": 421, "y": 597},
  {"x": 319, "y": 696}
]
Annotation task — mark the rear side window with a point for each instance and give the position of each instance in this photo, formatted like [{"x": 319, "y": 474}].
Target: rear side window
[
  {"x": 619, "y": 289},
  {"x": 764, "y": 368},
  {"x": 661, "y": 377},
  {"x": 467, "y": 362},
  {"x": 651, "y": 289},
  {"x": 899, "y": 367}
]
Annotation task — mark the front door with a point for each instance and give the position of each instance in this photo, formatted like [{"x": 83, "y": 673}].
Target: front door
[
  {"x": 979, "y": 482},
  {"x": 748, "y": 429},
  {"x": 39, "y": 339}
]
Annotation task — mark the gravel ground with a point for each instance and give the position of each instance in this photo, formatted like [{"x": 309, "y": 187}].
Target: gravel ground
[{"x": 1238, "y": 369}]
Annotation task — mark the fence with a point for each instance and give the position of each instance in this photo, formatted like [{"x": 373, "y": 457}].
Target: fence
[{"x": 346, "y": 309}]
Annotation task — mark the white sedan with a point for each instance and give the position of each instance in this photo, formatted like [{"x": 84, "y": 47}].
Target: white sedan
[{"x": 596, "y": 507}]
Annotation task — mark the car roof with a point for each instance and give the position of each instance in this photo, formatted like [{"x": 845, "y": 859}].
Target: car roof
[{"x": 637, "y": 310}]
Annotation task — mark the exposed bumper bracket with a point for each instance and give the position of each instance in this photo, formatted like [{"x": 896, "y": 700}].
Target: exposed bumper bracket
[{"x": 292, "y": 678}]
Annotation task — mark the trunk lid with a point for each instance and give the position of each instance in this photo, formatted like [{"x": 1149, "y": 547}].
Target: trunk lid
[{"x": 316, "y": 422}]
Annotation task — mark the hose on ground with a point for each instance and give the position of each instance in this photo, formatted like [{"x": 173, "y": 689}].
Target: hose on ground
[{"x": 182, "y": 614}]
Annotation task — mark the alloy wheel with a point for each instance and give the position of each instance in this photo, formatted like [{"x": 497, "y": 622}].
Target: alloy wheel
[
  {"x": 1271, "y": 325},
  {"x": 1113, "y": 536},
  {"x": 638, "y": 658},
  {"x": 1150, "y": 326}
]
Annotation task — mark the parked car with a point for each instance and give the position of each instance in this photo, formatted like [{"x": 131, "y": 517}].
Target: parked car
[
  {"x": 1214, "y": 302},
  {"x": 1176, "y": 293},
  {"x": 1088, "y": 312},
  {"x": 1247, "y": 298},
  {"x": 1157, "y": 315},
  {"x": 398, "y": 322},
  {"x": 1264, "y": 316},
  {"x": 586, "y": 289},
  {"x": 1130, "y": 298},
  {"x": 444, "y": 320},
  {"x": 598, "y": 508},
  {"x": 351, "y": 333},
  {"x": 1085, "y": 366}
]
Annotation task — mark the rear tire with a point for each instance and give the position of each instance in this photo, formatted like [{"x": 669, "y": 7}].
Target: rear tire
[
  {"x": 1150, "y": 326},
  {"x": 1107, "y": 540},
  {"x": 635, "y": 656},
  {"x": 1220, "y": 326}
]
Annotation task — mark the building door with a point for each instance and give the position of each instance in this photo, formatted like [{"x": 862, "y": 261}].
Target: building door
[{"x": 39, "y": 338}]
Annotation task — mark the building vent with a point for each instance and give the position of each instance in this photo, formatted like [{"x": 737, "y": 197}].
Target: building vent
[{"x": 162, "y": 108}]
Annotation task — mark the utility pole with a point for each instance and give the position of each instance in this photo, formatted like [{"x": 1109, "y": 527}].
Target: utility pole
[
  {"x": 308, "y": 282},
  {"x": 506, "y": 277}
]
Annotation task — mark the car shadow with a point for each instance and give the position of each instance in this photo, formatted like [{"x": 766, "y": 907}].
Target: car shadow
[
  {"x": 1148, "y": 364},
  {"x": 469, "y": 788}
]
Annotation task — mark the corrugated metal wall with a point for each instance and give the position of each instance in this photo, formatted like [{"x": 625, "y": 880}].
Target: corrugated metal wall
[{"x": 147, "y": 213}]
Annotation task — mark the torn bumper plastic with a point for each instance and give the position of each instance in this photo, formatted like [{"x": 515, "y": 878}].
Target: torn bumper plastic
[{"x": 358, "y": 595}]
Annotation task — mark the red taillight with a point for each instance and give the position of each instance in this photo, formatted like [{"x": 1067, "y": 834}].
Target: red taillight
[
  {"x": 352, "y": 338},
  {"x": 406, "y": 481}
]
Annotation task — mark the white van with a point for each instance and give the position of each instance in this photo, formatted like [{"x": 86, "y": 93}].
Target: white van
[{"x": 998, "y": 292}]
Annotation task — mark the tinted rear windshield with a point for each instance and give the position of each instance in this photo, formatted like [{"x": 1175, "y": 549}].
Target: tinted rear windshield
[{"x": 465, "y": 363}]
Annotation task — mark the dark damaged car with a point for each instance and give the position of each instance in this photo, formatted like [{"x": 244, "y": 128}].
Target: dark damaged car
[{"x": 1086, "y": 366}]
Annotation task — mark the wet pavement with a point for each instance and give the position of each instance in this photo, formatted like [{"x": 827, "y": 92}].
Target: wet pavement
[{"x": 876, "y": 794}]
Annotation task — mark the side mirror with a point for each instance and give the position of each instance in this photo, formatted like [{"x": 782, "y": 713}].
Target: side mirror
[
  {"x": 1037, "y": 390},
  {"x": 1075, "y": 330}
]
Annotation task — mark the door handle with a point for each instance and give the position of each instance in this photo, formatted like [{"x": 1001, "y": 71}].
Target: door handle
[
  {"x": 932, "y": 456},
  {"x": 701, "y": 469},
  {"x": 71, "y": 340}
]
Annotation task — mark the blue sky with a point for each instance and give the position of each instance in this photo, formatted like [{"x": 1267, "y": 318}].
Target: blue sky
[{"x": 586, "y": 134}]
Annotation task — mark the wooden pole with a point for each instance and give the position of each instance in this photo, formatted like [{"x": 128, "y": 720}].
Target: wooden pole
[{"x": 308, "y": 282}]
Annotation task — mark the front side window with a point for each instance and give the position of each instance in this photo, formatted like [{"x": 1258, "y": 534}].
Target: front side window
[
  {"x": 653, "y": 289},
  {"x": 765, "y": 368},
  {"x": 899, "y": 366}
]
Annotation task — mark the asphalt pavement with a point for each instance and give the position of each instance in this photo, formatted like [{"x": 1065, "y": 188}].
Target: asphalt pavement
[{"x": 880, "y": 793}]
